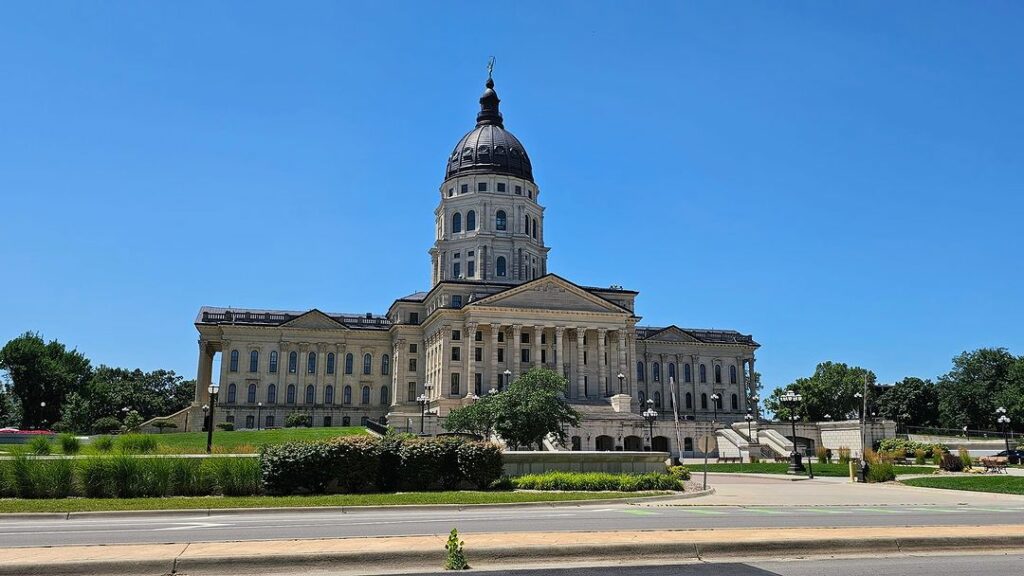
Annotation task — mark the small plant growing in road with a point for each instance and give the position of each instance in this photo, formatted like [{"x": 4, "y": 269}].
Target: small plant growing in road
[{"x": 455, "y": 558}]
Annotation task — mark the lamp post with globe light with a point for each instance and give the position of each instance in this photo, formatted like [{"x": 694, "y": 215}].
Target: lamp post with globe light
[
  {"x": 650, "y": 415},
  {"x": 749, "y": 418},
  {"x": 423, "y": 400},
  {"x": 213, "y": 389},
  {"x": 1004, "y": 423},
  {"x": 508, "y": 379},
  {"x": 259, "y": 414},
  {"x": 791, "y": 400},
  {"x": 714, "y": 402},
  {"x": 621, "y": 377}
]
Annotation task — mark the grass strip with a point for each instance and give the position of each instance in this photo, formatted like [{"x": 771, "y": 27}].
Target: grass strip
[
  {"x": 400, "y": 499},
  {"x": 998, "y": 484}
]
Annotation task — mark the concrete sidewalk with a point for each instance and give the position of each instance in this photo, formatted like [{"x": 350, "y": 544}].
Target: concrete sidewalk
[{"x": 395, "y": 554}]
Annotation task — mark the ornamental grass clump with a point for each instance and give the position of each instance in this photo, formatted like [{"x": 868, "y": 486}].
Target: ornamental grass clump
[
  {"x": 881, "y": 472},
  {"x": 965, "y": 457},
  {"x": 844, "y": 455},
  {"x": 69, "y": 444},
  {"x": 40, "y": 446},
  {"x": 103, "y": 444},
  {"x": 137, "y": 444},
  {"x": 232, "y": 476}
]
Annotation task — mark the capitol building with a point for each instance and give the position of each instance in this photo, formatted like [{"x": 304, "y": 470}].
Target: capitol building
[{"x": 493, "y": 310}]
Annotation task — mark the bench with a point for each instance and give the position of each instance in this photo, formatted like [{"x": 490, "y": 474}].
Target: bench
[
  {"x": 994, "y": 464},
  {"x": 736, "y": 459}
]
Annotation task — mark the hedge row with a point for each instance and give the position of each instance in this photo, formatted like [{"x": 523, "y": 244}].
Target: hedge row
[
  {"x": 597, "y": 481},
  {"x": 366, "y": 464},
  {"x": 126, "y": 476}
]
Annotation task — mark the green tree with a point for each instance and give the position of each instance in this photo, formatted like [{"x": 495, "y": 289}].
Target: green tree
[
  {"x": 532, "y": 407},
  {"x": 830, "y": 390},
  {"x": 76, "y": 413},
  {"x": 911, "y": 401},
  {"x": 974, "y": 388},
  {"x": 156, "y": 393},
  {"x": 476, "y": 418},
  {"x": 10, "y": 408},
  {"x": 42, "y": 372}
]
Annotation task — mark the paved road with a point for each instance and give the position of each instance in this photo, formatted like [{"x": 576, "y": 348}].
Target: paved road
[
  {"x": 928, "y": 565},
  {"x": 257, "y": 525}
]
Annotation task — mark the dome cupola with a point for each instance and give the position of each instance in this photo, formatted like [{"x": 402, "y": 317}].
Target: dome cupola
[{"x": 489, "y": 148}]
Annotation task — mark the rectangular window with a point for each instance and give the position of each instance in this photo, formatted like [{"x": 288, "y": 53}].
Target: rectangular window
[
  {"x": 456, "y": 301},
  {"x": 584, "y": 357},
  {"x": 273, "y": 362},
  {"x": 524, "y": 338},
  {"x": 478, "y": 354},
  {"x": 457, "y": 270},
  {"x": 481, "y": 186},
  {"x": 501, "y": 186},
  {"x": 411, "y": 392},
  {"x": 524, "y": 355},
  {"x": 470, "y": 253},
  {"x": 412, "y": 364},
  {"x": 455, "y": 384},
  {"x": 457, "y": 255},
  {"x": 464, "y": 188},
  {"x": 543, "y": 338},
  {"x": 519, "y": 190},
  {"x": 456, "y": 353},
  {"x": 543, "y": 356},
  {"x": 451, "y": 192},
  {"x": 478, "y": 384},
  {"x": 470, "y": 269},
  {"x": 456, "y": 335},
  {"x": 501, "y": 336},
  {"x": 414, "y": 317},
  {"x": 501, "y": 355},
  {"x": 412, "y": 348},
  {"x": 479, "y": 336}
]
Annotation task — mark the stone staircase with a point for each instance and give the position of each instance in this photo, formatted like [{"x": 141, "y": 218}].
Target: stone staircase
[
  {"x": 777, "y": 443},
  {"x": 731, "y": 444}
]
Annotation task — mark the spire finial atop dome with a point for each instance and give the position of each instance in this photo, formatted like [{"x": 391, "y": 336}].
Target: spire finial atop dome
[{"x": 489, "y": 114}]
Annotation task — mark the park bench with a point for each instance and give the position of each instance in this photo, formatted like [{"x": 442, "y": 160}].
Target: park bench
[
  {"x": 737, "y": 459},
  {"x": 994, "y": 464}
]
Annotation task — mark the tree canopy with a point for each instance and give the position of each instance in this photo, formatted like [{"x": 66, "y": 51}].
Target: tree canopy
[
  {"x": 42, "y": 372},
  {"x": 912, "y": 401},
  {"x": 532, "y": 407},
  {"x": 831, "y": 390},
  {"x": 980, "y": 382}
]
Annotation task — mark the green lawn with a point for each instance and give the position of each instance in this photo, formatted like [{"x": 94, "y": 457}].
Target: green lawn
[
  {"x": 781, "y": 467},
  {"x": 242, "y": 441},
  {"x": 401, "y": 499},
  {"x": 1002, "y": 484}
]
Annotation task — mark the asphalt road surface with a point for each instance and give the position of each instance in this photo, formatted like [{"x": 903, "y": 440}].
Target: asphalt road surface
[{"x": 257, "y": 525}]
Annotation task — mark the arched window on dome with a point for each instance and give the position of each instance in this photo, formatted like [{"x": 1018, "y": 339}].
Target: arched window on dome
[
  {"x": 500, "y": 266},
  {"x": 534, "y": 228},
  {"x": 456, "y": 223},
  {"x": 470, "y": 220},
  {"x": 500, "y": 221},
  {"x": 526, "y": 225}
]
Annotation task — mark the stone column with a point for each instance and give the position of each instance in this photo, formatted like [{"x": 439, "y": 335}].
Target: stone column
[
  {"x": 397, "y": 355},
  {"x": 470, "y": 358},
  {"x": 204, "y": 373},
  {"x": 495, "y": 328},
  {"x": 514, "y": 357},
  {"x": 580, "y": 369},
  {"x": 602, "y": 365},
  {"x": 559, "y": 332},
  {"x": 225, "y": 365},
  {"x": 621, "y": 349},
  {"x": 538, "y": 333}
]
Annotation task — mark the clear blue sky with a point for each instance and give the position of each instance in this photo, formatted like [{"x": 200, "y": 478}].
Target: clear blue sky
[{"x": 845, "y": 181}]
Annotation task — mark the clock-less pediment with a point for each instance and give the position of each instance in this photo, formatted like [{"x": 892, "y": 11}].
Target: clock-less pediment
[
  {"x": 549, "y": 293},
  {"x": 672, "y": 334},
  {"x": 315, "y": 320}
]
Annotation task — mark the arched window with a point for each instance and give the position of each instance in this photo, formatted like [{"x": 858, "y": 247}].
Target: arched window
[
  {"x": 330, "y": 362},
  {"x": 366, "y": 395},
  {"x": 535, "y": 228},
  {"x": 470, "y": 220},
  {"x": 656, "y": 371},
  {"x": 672, "y": 371},
  {"x": 310, "y": 394},
  {"x": 689, "y": 401},
  {"x": 273, "y": 362},
  {"x": 272, "y": 394},
  {"x": 385, "y": 364},
  {"x": 367, "y": 363},
  {"x": 642, "y": 398},
  {"x": 718, "y": 401},
  {"x": 732, "y": 374},
  {"x": 311, "y": 363},
  {"x": 231, "y": 393},
  {"x": 254, "y": 361},
  {"x": 329, "y": 395},
  {"x": 640, "y": 371},
  {"x": 384, "y": 396},
  {"x": 735, "y": 402},
  {"x": 718, "y": 374},
  {"x": 456, "y": 223},
  {"x": 347, "y": 397},
  {"x": 500, "y": 266},
  {"x": 250, "y": 397},
  {"x": 526, "y": 224},
  {"x": 290, "y": 394},
  {"x": 703, "y": 401},
  {"x": 703, "y": 374},
  {"x": 346, "y": 420},
  {"x": 348, "y": 363},
  {"x": 293, "y": 362},
  {"x": 657, "y": 399},
  {"x": 686, "y": 373},
  {"x": 234, "y": 361},
  {"x": 500, "y": 220}
]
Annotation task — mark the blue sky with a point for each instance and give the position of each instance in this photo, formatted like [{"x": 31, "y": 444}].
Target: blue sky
[{"x": 845, "y": 181}]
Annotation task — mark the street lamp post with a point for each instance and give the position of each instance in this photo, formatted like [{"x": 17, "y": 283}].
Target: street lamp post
[
  {"x": 748, "y": 418},
  {"x": 42, "y": 415},
  {"x": 508, "y": 379},
  {"x": 714, "y": 402},
  {"x": 650, "y": 415},
  {"x": 213, "y": 389},
  {"x": 259, "y": 414},
  {"x": 621, "y": 377},
  {"x": 757, "y": 409},
  {"x": 423, "y": 400},
  {"x": 206, "y": 416},
  {"x": 1004, "y": 422},
  {"x": 791, "y": 400}
]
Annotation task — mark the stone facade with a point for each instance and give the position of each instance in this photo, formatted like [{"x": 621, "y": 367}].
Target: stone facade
[{"x": 493, "y": 311}]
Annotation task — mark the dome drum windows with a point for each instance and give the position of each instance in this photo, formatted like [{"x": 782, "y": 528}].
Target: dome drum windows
[
  {"x": 500, "y": 220},
  {"x": 456, "y": 223},
  {"x": 471, "y": 221}
]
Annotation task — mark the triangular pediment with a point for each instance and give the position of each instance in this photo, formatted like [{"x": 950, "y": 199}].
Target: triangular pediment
[
  {"x": 549, "y": 293},
  {"x": 672, "y": 334},
  {"x": 314, "y": 320}
]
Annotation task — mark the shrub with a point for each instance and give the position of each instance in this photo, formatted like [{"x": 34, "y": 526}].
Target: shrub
[
  {"x": 480, "y": 463},
  {"x": 297, "y": 419},
  {"x": 389, "y": 469},
  {"x": 937, "y": 455},
  {"x": 40, "y": 446},
  {"x": 106, "y": 425},
  {"x": 132, "y": 421},
  {"x": 94, "y": 474},
  {"x": 226, "y": 426},
  {"x": 137, "y": 444},
  {"x": 919, "y": 456},
  {"x": 420, "y": 464},
  {"x": 823, "y": 454},
  {"x": 164, "y": 424},
  {"x": 844, "y": 455},
  {"x": 188, "y": 478},
  {"x": 69, "y": 444},
  {"x": 234, "y": 476},
  {"x": 881, "y": 472},
  {"x": 909, "y": 447},
  {"x": 871, "y": 457},
  {"x": 103, "y": 444},
  {"x": 354, "y": 462},
  {"x": 965, "y": 457},
  {"x": 596, "y": 481},
  {"x": 296, "y": 467},
  {"x": 754, "y": 459},
  {"x": 951, "y": 463},
  {"x": 449, "y": 475},
  {"x": 679, "y": 472},
  {"x": 455, "y": 558}
]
